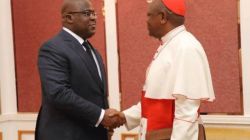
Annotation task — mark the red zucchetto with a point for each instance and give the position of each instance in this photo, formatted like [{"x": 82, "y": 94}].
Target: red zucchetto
[{"x": 176, "y": 6}]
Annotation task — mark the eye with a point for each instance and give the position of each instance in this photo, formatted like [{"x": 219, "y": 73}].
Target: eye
[{"x": 87, "y": 13}]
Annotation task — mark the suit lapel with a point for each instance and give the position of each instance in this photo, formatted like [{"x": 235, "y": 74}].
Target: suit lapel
[{"x": 78, "y": 49}]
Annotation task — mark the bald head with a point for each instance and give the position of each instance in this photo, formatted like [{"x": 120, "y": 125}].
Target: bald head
[
  {"x": 79, "y": 17},
  {"x": 72, "y": 5},
  {"x": 155, "y": 5}
]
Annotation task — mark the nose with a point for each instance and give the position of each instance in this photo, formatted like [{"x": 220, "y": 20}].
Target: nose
[{"x": 93, "y": 15}]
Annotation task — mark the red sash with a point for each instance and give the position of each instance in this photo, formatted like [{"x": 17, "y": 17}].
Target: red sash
[{"x": 159, "y": 112}]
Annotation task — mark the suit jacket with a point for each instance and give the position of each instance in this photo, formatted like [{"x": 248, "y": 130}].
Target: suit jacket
[{"x": 72, "y": 92}]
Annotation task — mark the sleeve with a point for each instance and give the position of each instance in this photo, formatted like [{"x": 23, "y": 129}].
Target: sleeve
[
  {"x": 54, "y": 74},
  {"x": 133, "y": 116},
  {"x": 185, "y": 125},
  {"x": 100, "y": 118}
]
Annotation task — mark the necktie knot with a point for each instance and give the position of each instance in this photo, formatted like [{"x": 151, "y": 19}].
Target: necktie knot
[
  {"x": 86, "y": 45},
  {"x": 88, "y": 48}
]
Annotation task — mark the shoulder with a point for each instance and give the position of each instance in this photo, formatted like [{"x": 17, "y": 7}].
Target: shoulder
[
  {"x": 56, "y": 43},
  {"x": 187, "y": 42}
]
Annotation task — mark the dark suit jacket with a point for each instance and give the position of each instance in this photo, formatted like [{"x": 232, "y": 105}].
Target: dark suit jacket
[{"x": 72, "y": 92}]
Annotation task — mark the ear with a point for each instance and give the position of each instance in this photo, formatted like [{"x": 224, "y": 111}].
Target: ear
[
  {"x": 69, "y": 18},
  {"x": 163, "y": 17}
]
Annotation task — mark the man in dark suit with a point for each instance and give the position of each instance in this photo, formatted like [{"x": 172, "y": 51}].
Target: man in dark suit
[{"x": 74, "y": 93}]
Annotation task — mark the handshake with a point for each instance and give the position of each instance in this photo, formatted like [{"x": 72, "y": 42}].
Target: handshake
[{"x": 113, "y": 119}]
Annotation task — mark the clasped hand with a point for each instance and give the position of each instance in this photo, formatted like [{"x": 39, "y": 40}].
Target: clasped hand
[{"x": 113, "y": 119}]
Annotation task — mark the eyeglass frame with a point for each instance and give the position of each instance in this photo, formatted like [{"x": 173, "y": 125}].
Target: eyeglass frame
[{"x": 86, "y": 13}]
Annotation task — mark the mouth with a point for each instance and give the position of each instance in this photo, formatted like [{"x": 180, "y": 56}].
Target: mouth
[{"x": 93, "y": 25}]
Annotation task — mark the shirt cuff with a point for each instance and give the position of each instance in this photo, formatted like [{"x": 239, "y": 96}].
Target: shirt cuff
[{"x": 100, "y": 118}]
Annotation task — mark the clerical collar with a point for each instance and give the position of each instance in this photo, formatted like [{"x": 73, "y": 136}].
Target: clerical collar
[
  {"x": 172, "y": 33},
  {"x": 167, "y": 38}
]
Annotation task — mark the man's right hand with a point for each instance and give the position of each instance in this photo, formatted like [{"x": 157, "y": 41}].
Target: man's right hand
[{"x": 112, "y": 119}]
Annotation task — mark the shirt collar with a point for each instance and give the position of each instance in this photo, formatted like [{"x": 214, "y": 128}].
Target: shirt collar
[
  {"x": 172, "y": 34},
  {"x": 77, "y": 37}
]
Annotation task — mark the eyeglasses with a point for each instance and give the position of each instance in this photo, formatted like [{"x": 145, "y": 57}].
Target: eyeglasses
[{"x": 86, "y": 13}]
